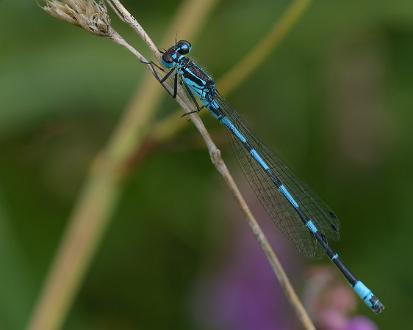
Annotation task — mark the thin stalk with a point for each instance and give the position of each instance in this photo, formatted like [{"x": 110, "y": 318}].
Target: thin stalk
[
  {"x": 221, "y": 167},
  {"x": 102, "y": 189},
  {"x": 100, "y": 195}
]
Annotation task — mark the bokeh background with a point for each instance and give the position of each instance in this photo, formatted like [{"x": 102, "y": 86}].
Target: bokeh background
[{"x": 334, "y": 100}]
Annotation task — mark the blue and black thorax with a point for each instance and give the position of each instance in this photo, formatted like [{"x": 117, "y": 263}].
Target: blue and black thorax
[{"x": 191, "y": 74}]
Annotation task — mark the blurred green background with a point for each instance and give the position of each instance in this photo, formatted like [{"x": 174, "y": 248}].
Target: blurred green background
[{"x": 334, "y": 100}]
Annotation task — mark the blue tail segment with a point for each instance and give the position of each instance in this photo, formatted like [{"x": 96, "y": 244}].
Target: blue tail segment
[
  {"x": 368, "y": 297},
  {"x": 301, "y": 215}
]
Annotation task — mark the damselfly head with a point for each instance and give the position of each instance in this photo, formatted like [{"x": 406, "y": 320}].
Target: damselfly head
[{"x": 181, "y": 47}]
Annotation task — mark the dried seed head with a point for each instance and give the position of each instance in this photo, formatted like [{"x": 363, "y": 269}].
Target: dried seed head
[{"x": 90, "y": 15}]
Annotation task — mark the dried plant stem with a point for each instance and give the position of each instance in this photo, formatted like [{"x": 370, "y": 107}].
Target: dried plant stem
[
  {"x": 244, "y": 68},
  {"x": 190, "y": 18},
  {"x": 100, "y": 195},
  {"x": 220, "y": 165},
  {"x": 266, "y": 247},
  {"x": 127, "y": 18},
  {"x": 101, "y": 191}
]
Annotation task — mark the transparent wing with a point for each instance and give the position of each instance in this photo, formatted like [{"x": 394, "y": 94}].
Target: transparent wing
[{"x": 282, "y": 213}]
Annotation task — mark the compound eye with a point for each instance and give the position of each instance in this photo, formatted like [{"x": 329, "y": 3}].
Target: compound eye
[
  {"x": 183, "y": 47},
  {"x": 167, "y": 60}
]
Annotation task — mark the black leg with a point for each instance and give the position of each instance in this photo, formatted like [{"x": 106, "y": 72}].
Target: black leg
[
  {"x": 175, "y": 85},
  {"x": 155, "y": 73},
  {"x": 161, "y": 80},
  {"x": 167, "y": 75},
  {"x": 191, "y": 95}
]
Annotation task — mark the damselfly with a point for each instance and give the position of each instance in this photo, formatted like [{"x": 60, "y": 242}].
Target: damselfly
[{"x": 300, "y": 215}]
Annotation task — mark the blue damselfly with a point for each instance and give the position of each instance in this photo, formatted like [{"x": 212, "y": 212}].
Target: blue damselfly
[{"x": 300, "y": 215}]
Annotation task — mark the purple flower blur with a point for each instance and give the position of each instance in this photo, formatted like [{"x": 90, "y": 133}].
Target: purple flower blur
[
  {"x": 360, "y": 323},
  {"x": 330, "y": 302},
  {"x": 243, "y": 293}
]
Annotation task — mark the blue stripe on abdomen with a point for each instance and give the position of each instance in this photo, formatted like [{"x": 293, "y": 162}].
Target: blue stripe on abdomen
[
  {"x": 258, "y": 158},
  {"x": 310, "y": 225},
  {"x": 283, "y": 190},
  {"x": 228, "y": 123}
]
